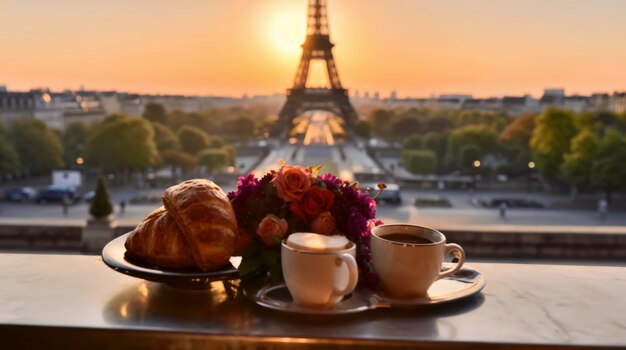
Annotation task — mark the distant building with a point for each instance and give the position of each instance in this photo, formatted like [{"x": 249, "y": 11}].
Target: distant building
[
  {"x": 552, "y": 98},
  {"x": 618, "y": 102},
  {"x": 35, "y": 104},
  {"x": 393, "y": 95}
]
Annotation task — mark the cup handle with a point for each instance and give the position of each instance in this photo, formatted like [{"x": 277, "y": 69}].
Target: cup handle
[
  {"x": 459, "y": 253},
  {"x": 353, "y": 272}
]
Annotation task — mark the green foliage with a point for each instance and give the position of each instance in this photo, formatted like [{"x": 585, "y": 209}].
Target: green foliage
[
  {"x": 608, "y": 170},
  {"x": 240, "y": 128},
  {"x": 155, "y": 113},
  {"x": 9, "y": 160},
  {"x": 363, "y": 129},
  {"x": 419, "y": 162},
  {"x": 482, "y": 136},
  {"x": 577, "y": 164},
  {"x": 214, "y": 159},
  {"x": 101, "y": 206},
  {"x": 551, "y": 139},
  {"x": 379, "y": 119},
  {"x": 39, "y": 148},
  {"x": 192, "y": 140},
  {"x": 74, "y": 138},
  {"x": 468, "y": 154},
  {"x": 165, "y": 139},
  {"x": 122, "y": 143},
  {"x": 414, "y": 141},
  {"x": 216, "y": 142},
  {"x": 405, "y": 127},
  {"x": 518, "y": 132},
  {"x": 179, "y": 159}
]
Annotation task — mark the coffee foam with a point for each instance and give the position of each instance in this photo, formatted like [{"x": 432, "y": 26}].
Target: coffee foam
[{"x": 316, "y": 242}]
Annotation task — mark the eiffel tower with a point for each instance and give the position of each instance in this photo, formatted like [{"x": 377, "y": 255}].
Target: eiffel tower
[{"x": 301, "y": 98}]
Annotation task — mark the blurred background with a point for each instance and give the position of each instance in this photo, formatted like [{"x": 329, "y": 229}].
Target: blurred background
[{"x": 503, "y": 124}]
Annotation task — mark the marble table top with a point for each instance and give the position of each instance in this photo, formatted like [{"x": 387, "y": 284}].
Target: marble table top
[{"x": 70, "y": 301}]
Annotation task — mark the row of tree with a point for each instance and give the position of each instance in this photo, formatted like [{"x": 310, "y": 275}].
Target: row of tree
[
  {"x": 583, "y": 150},
  {"x": 125, "y": 144}
]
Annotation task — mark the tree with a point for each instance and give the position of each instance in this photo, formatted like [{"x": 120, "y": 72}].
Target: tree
[
  {"x": 363, "y": 129},
  {"x": 165, "y": 139},
  {"x": 405, "y": 127},
  {"x": 414, "y": 141},
  {"x": 241, "y": 128},
  {"x": 380, "y": 119},
  {"x": 213, "y": 159},
  {"x": 9, "y": 160},
  {"x": 122, "y": 144},
  {"x": 518, "y": 132},
  {"x": 551, "y": 139},
  {"x": 100, "y": 206},
  {"x": 608, "y": 171},
  {"x": 482, "y": 136},
  {"x": 468, "y": 154},
  {"x": 74, "y": 138},
  {"x": 179, "y": 159},
  {"x": 155, "y": 113},
  {"x": 577, "y": 164},
  {"x": 39, "y": 148},
  {"x": 419, "y": 162},
  {"x": 192, "y": 140}
]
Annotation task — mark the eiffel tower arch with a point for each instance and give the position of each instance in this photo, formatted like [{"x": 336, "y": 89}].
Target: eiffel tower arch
[{"x": 300, "y": 98}]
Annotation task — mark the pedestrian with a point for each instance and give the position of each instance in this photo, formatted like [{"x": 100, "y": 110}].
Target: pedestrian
[
  {"x": 122, "y": 207},
  {"x": 503, "y": 208},
  {"x": 65, "y": 202},
  {"x": 603, "y": 208}
]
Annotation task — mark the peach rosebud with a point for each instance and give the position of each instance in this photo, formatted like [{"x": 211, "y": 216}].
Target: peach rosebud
[
  {"x": 324, "y": 224},
  {"x": 272, "y": 226},
  {"x": 291, "y": 182}
]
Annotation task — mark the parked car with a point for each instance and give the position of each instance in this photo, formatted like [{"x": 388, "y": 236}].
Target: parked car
[
  {"x": 20, "y": 194},
  {"x": 56, "y": 194}
]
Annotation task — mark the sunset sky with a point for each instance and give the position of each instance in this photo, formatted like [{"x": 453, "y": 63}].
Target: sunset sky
[{"x": 232, "y": 47}]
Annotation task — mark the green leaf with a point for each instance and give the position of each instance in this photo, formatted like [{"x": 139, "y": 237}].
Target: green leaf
[{"x": 250, "y": 265}]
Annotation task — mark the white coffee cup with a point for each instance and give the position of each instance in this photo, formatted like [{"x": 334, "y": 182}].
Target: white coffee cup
[
  {"x": 319, "y": 278},
  {"x": 406, "y": 267}
]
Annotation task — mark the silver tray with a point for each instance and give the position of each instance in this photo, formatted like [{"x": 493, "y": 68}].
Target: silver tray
[{"x": 466, "y": 282}]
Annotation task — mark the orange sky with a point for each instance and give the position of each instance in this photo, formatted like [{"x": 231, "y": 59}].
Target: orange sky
[{"x": 218, "y": 47}]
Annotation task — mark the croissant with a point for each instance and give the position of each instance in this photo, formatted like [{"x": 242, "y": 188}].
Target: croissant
[
  {"x": 158, "y": 242},
  {"x": 207, "y": 220}
]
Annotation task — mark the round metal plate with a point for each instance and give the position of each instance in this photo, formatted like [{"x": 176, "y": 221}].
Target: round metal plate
[{"x": 114, "y": 253}]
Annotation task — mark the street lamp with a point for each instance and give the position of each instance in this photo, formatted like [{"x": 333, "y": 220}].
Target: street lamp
[
  {"x": 531, "y": 165},
  {"x": 476, "y": 165}
]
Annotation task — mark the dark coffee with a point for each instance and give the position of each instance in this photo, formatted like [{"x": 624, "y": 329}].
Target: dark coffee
[{"x": 407, "y": 238}]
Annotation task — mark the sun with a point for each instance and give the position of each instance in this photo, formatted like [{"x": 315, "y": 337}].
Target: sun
[{"x": 287, "y": 31}]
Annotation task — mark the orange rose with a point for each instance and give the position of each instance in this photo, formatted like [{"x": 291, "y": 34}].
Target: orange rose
[
  {"x": 317, "y": 200},
  {"x": 272, "y": 226},
  {"x": 291, "y": 182},
  {"x": 324, "y": 224}
]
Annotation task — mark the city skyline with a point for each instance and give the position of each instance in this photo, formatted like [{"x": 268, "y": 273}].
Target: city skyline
[{"x": 251, "y": 47}]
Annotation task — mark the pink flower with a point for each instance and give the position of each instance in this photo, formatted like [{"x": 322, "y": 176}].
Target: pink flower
[
  {"x": 324, "y": 224},
  {"x": 291, "y": 182},
  {"x": 272, "y": 226}
]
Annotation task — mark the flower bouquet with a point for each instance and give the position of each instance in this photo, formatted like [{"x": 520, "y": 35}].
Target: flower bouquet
[{"x": 298, "y": 199}]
